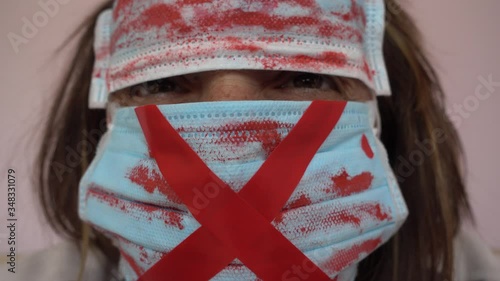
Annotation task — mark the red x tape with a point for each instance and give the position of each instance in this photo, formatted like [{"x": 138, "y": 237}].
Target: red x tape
[{"x": 236, "y": 225}]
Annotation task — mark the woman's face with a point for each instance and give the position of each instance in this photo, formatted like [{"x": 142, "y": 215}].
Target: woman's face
[{"x": 224, "y": 85}]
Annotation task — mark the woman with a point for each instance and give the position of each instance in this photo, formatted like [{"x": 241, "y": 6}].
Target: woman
[{"x": 428, "y": 246}]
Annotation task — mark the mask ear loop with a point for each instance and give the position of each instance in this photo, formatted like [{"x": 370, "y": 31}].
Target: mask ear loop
[
  {"x": 98, "y": 95},
  {"x": 111, "y": 109},
  {"x": 375, "y": 119}
]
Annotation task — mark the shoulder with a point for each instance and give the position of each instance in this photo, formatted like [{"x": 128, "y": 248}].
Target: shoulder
[
  {"x": 60, "y": 262},
  {"x": 474, "y": 260}
]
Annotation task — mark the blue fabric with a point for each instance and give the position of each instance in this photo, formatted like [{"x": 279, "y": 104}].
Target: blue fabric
[{"x": 331, "y": 217}]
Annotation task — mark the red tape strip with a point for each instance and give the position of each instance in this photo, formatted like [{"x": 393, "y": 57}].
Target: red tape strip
[{"x": 236, "y": 225}]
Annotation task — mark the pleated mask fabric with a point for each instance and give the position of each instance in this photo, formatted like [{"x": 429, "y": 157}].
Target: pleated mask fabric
[
  {"x": 346, "y": 204},
  {"x": 139, "y": 41}
]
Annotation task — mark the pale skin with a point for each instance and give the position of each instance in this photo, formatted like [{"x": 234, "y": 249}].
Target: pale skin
[{"x": 225, "y": 85}]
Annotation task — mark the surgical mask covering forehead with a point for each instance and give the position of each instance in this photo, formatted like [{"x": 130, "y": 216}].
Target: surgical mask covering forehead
[
  {"x": 242, "y": 190},
  {"x": 139, "y": 41}
]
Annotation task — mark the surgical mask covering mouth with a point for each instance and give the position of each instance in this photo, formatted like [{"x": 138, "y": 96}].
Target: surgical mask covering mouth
[{"x": 241, "y": 190}]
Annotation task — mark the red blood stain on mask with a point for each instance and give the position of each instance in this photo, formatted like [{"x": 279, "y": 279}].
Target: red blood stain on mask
[
  {"x": 266, "y": 132},
  {"x": 156, "y": 16},
  {"x": 171, "y": 22},
  {"x": 151, "y": 180},
  {"x": 304, "y": 3},
  {"x": 344, "y": 184},
  {"x": 377, "y": 212},
  {"x": 369, "y": 72},
  {"x": 236, "y": 43},
  {"x": 341, "y": 31},
  {"x": 195, "y": 2},
  {"x": 344, "y": 218},
  {"x": 143, "y": 255},
  {"x": 117, "y": 203},
  {"x": 121, "y": 7},
  {"x": 303, "y": 200},
  {"x": 137, "y": 269},
  {"x": 279, "y": 218},
  {"x": 355, "y": 214},
  {"x": 332, "y": 58},
  {"x": 174, "y": 219},
  {"x": 366, "y": 146},
  {"x": 101, "y": 53},
  {"x": 355, "y": 13},
  {"x": 307, "y": 229},
  {"x": 127, "y": 71},
  {"x": 345, "y": 257},
  {"x": 170, "y": 218},
  {"x": 160, "y": 14},
  {"x": 238, "y": 17},
  {"x": 94, "y": 191},
  {"x": 326, "y": 59}
]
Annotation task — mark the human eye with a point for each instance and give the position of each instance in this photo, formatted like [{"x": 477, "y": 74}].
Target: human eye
[
  {"x": 157, "y": 87},
  {"x": 309, "y": 82}
]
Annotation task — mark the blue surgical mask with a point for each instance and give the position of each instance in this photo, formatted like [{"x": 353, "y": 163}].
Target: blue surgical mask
[{"x": 346, "y": 204}]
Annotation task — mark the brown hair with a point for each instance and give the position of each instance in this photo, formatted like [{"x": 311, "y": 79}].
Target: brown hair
[{"x": 413, "y": 121}]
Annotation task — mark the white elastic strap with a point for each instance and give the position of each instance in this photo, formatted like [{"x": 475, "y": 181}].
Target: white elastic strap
[
  {"x": 375, "y": 117},
  {"x": 98, "y": 95}
]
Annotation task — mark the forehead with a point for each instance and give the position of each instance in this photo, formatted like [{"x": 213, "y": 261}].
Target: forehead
[{"x": 145, "y": 40}]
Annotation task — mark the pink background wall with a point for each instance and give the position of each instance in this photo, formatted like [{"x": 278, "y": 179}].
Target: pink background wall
[{"x": 462, "y": 37}]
